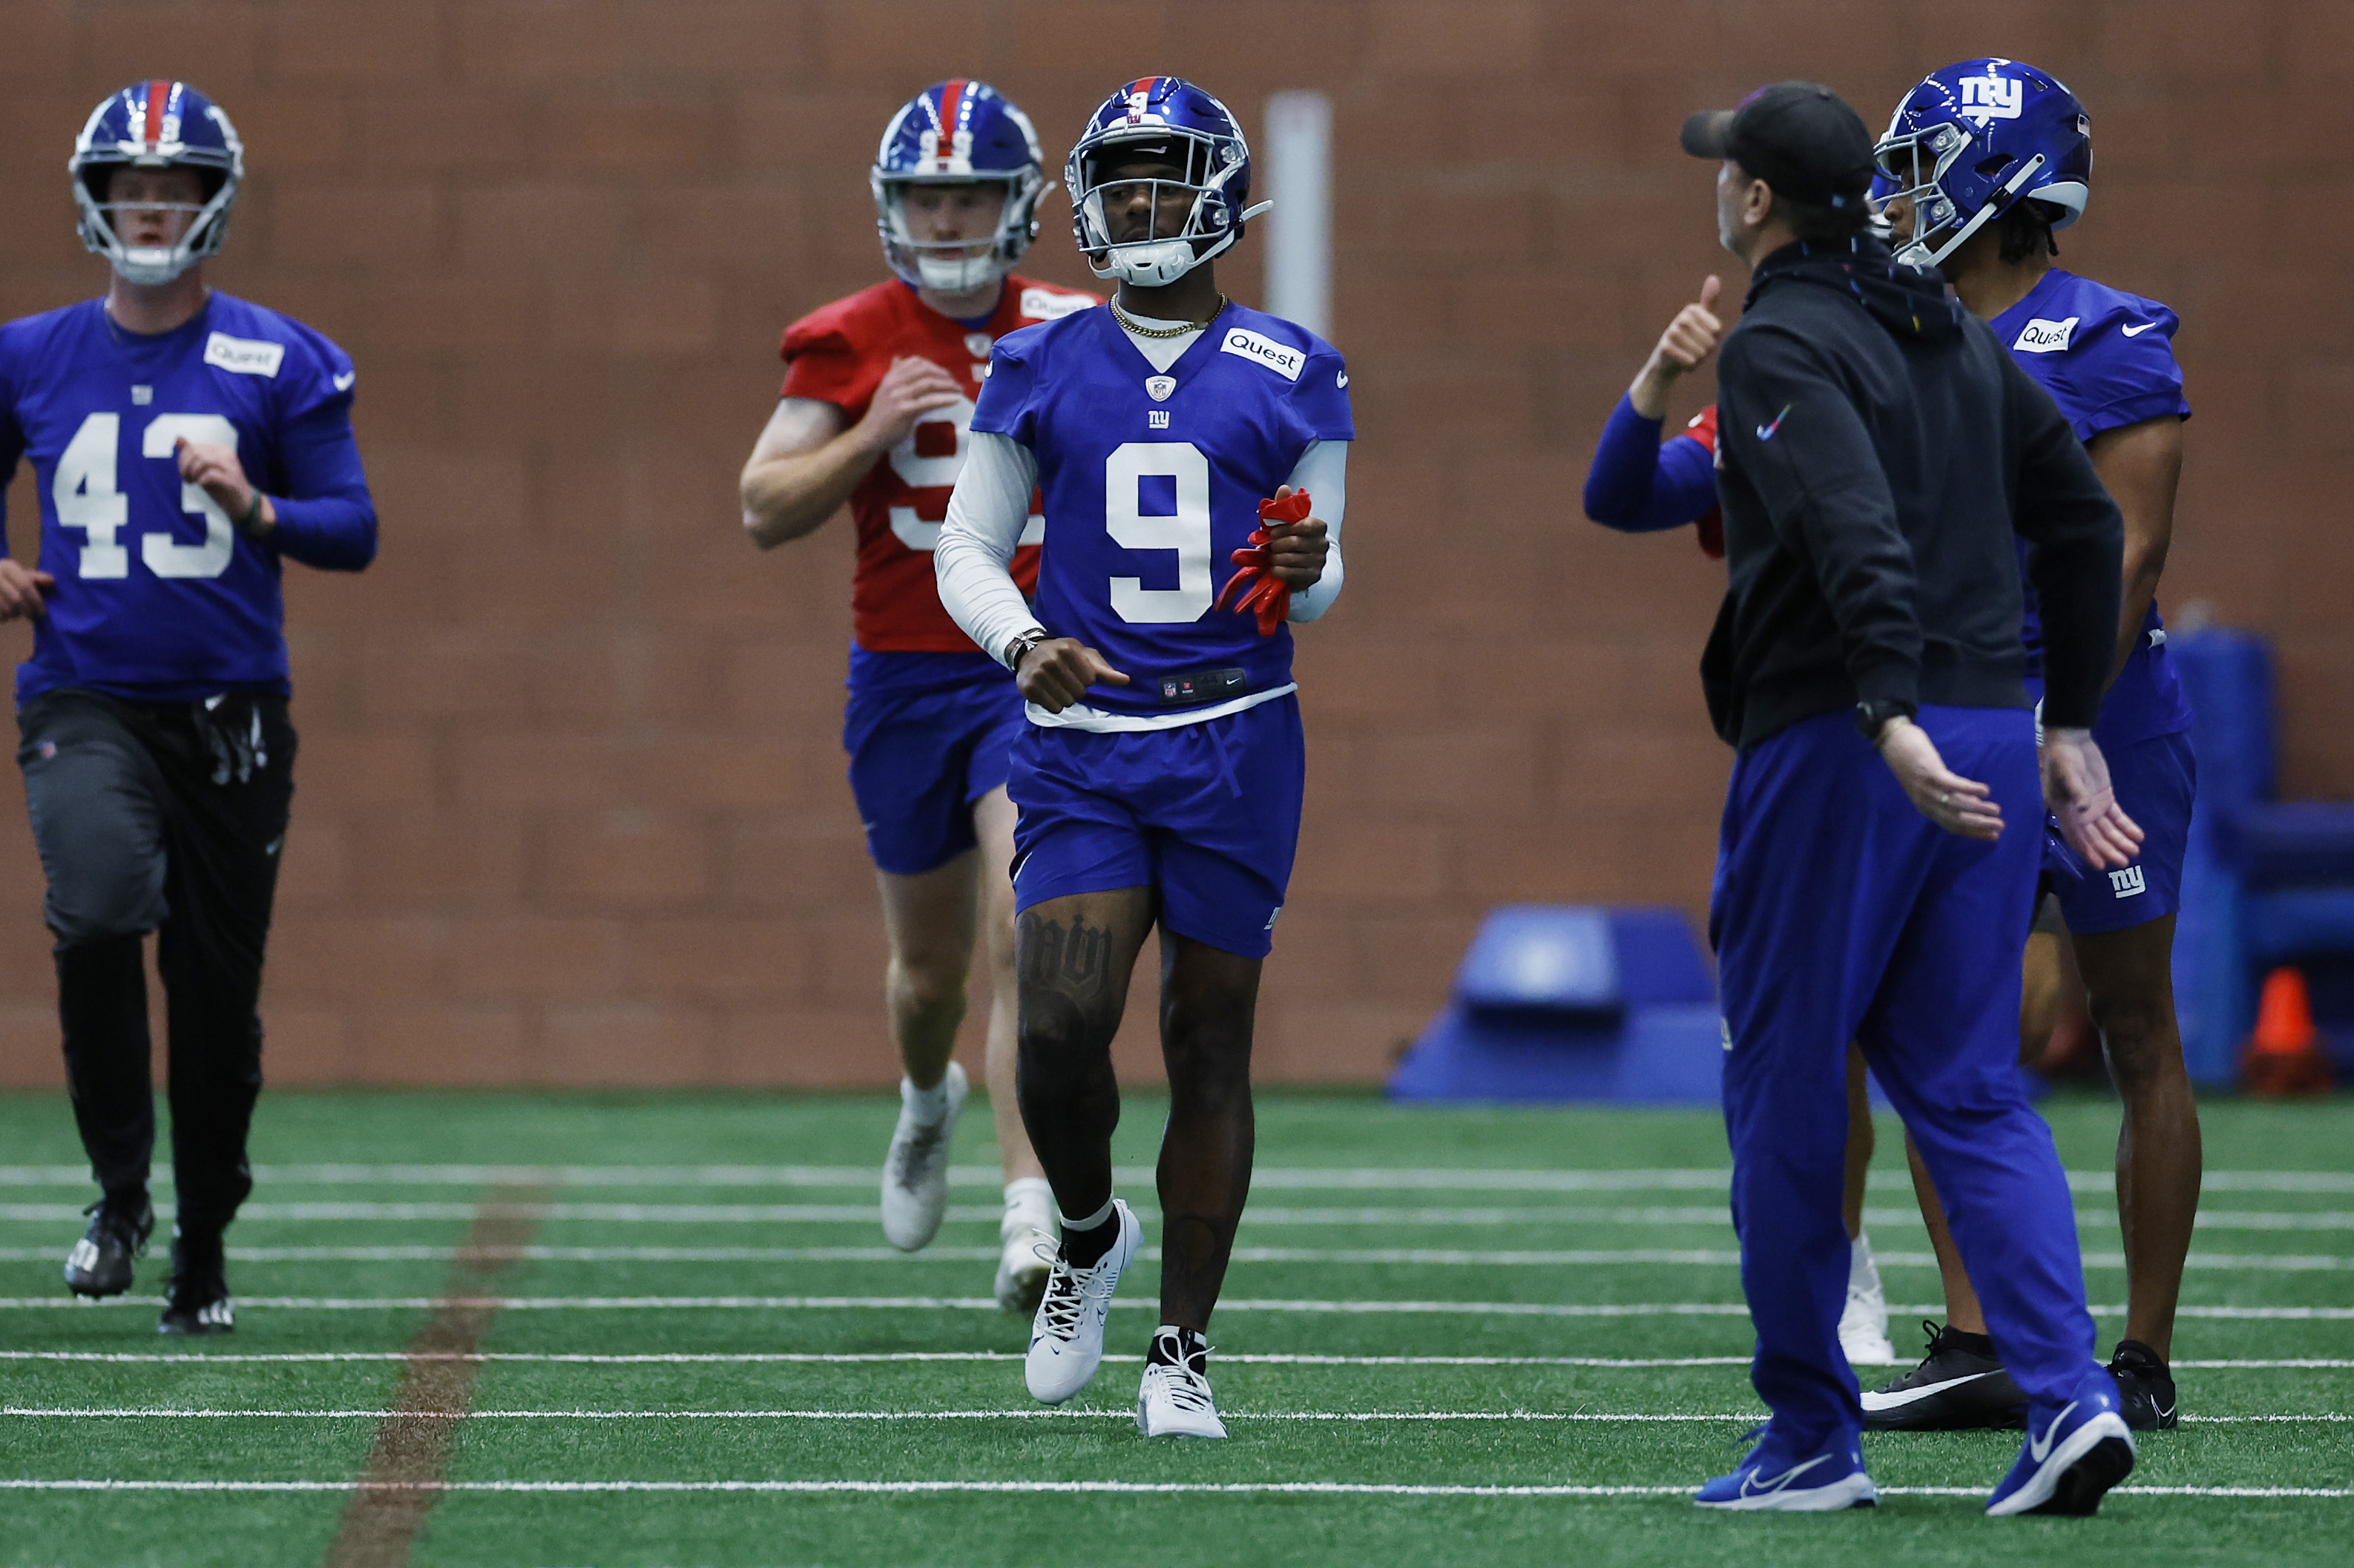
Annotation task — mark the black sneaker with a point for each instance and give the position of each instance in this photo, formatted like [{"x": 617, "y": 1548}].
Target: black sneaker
[
  {"x": 100, "y": 1264},
  {"x": 1959, "y": 1386},
  {"x": 2145, "y": 1387},
  {"x": 196, "y": 1301}
]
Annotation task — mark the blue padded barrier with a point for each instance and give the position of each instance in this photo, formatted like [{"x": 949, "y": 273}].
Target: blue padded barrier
[
  {"x": 1572, "y": 1002},
  {"x": 2263, "y": 882}
]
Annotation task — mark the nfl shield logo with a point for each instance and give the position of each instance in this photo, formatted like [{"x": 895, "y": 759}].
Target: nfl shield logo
[{"x": 1160, "y": 387}]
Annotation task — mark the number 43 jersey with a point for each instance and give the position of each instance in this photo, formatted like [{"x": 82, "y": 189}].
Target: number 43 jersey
[
  {"x": 158, "y": 597},
  {"x": 1152, "y": 479}
]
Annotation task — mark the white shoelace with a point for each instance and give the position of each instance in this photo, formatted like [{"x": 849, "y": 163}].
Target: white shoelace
[
  {"x": 1059, "y": 1312},
  {"x": 1188, "y": 1390}
]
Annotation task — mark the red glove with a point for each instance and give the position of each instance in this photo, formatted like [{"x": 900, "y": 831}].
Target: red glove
[{"x": 1264, "y": 594}]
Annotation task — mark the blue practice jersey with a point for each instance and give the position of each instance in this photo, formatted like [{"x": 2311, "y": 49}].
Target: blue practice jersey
[
  {"x": 2108, "y": 359},
  {"x": 158, "y": 597},
  {"x": 1152, "y": 480}
]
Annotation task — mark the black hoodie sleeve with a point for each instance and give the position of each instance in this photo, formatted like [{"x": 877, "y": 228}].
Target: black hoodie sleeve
[
  {"x": 2076, "y": 551},
  {"x": 1790, "y": 427}
]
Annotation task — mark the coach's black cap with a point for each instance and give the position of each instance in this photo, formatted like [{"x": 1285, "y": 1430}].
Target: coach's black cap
[{"x": 1799, "y": 137}]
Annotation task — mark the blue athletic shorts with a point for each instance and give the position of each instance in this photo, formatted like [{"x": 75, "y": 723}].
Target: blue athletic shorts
[
  {"x": 928, "y": 734},
  {"x": 1205, "y": 814},
  {"x": 2154, "y": 781}
]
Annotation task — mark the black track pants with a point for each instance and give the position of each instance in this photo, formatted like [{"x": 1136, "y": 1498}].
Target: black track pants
[{"x": 166, "y": 817}]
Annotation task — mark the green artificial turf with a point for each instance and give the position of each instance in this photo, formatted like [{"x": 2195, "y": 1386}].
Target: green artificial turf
[{"x": 1452, "y": 1209}]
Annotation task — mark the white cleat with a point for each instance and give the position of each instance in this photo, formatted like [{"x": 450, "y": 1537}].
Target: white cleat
[
  {"x": 1863, "y": 1322},
  {"x": 1026, "y": 1235},
  {"x": 916, "y": 1171},
  {"x": 1067, "y": 1336},
  {"x": 1174, "y": 1402}
]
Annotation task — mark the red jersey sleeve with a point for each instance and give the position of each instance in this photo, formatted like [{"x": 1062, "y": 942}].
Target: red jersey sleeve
[{"x": 825, "y": 361}]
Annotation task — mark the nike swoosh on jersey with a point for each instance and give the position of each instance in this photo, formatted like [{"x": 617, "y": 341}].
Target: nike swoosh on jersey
[
  {"x": 1899, "y": 1398},
  {"x": 1767, "y": 432},
  {"x": 1344, "y": 379},
  {"x": 343, "y": 382},
  {"x": 2137, "y": 331},
  {"x": 2039, "y": 1448}
]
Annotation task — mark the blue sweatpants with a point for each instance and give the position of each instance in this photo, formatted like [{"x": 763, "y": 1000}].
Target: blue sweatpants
[{"x": 1841, "y": 913}]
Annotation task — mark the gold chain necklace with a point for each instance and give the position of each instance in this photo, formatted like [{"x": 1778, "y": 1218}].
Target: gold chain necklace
[{"x": 1131, "y": 324}]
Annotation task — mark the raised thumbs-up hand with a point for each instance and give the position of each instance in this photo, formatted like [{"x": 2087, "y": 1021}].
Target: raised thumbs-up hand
[{"x": 1686, "y": 346}]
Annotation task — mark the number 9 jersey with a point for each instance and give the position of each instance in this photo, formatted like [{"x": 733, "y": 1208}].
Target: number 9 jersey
[
  {"x": 159, "y": 598},
  {"x": 1151, "y": 480}
]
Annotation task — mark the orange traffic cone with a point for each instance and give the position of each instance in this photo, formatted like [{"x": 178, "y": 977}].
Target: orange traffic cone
[{"x": 2283, "y": 1057}]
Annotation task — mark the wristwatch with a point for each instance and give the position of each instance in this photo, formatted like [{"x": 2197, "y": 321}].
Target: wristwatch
[
  {"x": 1872, "y": 717},
  {"x": 1019, "y": 649}
]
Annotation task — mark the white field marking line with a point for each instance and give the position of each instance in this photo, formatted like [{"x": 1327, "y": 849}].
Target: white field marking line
[
  {"x": 1164, "y": 1489},
  {"x": 985, "y": 1304},
  {"x": 864, "y": 1214},
  {"x": 1436, "y": 1258},
  {"x": 844, "y": 1358},
  {"x": 848, "y": 1358},
  {"x": 1027, "y": 1412},
  {"x": 1266, "y": 1177},
  {"x": 2292, "y": 1262}
]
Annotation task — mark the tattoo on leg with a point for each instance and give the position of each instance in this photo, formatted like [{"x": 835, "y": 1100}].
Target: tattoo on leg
[{"x": 1076, "y": 962}]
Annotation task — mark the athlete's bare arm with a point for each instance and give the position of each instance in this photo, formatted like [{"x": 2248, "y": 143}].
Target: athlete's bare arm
[
  {"x": 809, "y": 459},
  {"x": 2141, "y": 464}
]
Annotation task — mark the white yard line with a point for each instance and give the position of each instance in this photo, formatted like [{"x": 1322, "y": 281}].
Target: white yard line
[
  {"x": 2293, "y": 1263},
  {"x": 1300, "y": 1177},
  {"x": 850, "y": 1357},
  {"x": 1228, "y": 1488},
  {"x": 1713, "y": 1217},
  {"x": 1025, "y": 1413},
  {"x": 984, "y": 1304}
]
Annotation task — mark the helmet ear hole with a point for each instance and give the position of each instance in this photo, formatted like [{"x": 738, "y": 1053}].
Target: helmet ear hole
[{"x": 1989, "y": 167}]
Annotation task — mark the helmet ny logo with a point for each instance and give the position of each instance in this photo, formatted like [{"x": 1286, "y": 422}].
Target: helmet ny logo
[{"x": 1992, "y": 97}]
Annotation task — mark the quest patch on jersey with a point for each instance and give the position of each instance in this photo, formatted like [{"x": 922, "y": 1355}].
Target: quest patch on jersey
[
  {"x": 243, "y": 356},
  {"x": 1052, "y": 304},
  {"x": 1282, "y": 359},
  {"x": 2041, "y": 336}
]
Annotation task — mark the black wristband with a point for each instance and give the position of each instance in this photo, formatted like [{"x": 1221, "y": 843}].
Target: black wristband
[
  {"x": 1872, "y": 717},
  {"x": 250, "y": 524},
  {"x": 1019, "y": 649}
]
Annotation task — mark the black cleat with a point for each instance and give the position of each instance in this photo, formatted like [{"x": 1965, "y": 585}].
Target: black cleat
[
  {"x": 196, "y": 1301},
  {"x": 1959, "y": 1386},
  {"x": 100, "y": 1264},
  {"x": 2145, "y": 1387}
]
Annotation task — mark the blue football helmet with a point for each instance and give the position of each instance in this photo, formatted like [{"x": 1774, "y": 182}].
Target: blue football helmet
[
  {"x": 957, "y": 133},
  {"x": 1975, "y": 139},
  {"x": 1169, "y": 118},
  {"x": 157, "y": 125}
]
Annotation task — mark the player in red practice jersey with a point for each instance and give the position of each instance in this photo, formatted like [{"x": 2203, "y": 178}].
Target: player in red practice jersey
[{"x": 878, "y": 392}]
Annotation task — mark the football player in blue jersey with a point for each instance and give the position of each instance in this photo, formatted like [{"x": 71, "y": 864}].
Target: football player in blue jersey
[
  {"x": 1160, "y": 781},
  {"x": 1982, "y": 162},
  {"x": 185, "y": 445}
]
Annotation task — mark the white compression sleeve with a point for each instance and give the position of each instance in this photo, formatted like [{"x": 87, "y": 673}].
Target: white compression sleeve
[
  {"x": 986, "y": 514},
  {"x": 1324, "y": 472}
]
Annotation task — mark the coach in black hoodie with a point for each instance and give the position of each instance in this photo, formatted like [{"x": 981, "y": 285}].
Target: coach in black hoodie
[{"x": 1877, "y": 452}]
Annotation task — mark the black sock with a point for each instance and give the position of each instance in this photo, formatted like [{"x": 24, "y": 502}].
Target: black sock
[
  {"x": 1963, "y": 1340},
  {"x": 1176, "y": 1347},
  {"x": 1085, "y": 1248}
]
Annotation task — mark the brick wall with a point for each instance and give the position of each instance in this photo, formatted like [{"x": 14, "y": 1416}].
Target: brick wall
[{"x": 571, "y": 803}]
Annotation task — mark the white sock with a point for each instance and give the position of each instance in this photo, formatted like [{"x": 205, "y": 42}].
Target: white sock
[
  {"x": 926, "y": 1105},
  {"x": 1087, "y": 1222},
  {"x": 1862, "y": 1272},
  {"x": 1029, "y": 1205}
]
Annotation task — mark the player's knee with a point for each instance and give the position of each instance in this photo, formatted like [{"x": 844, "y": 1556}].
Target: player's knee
[
  {"x": 107, "y": 897},
  {"x": 1054, "y": 1029},
  {"x": 2138, "y": 1036},
  {"x": 930, "y": 981}
]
